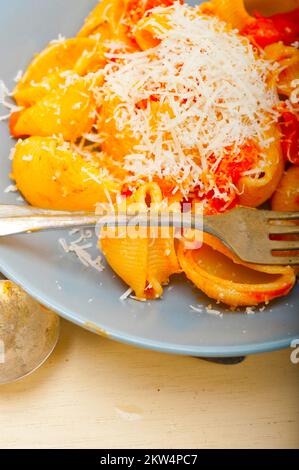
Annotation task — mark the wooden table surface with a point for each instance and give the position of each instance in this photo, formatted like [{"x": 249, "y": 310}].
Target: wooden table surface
[{"x": 95, "y": 393}]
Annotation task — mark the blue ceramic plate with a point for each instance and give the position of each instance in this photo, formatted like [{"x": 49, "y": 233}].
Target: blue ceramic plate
[{"x": 91, "y": 299}]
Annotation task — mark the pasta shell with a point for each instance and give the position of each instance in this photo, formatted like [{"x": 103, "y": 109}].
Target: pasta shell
[
  {"x": 232, "y": 12},
  {"x": 117, "y": 143},
  {"x": 149, "y": 29},
  {"x": 255, "y": 190},
  {"x": 128, "y": 258},
  {"x": 80, "y": 55},
  {"x": 286, "y": 196},
  {"x": 107, "y": 22},
  {"x": 144, "y": 263},
  {"x": 223, "y": 277},
  {"x": 69, "y": 112},
  {"x": 162, "y": 263},
  {"x": 50, "y": 175},
  {"x": 115, "y": 127},
  {"x": 288, "y": 59},
  {"x": 28, "y": 95}
]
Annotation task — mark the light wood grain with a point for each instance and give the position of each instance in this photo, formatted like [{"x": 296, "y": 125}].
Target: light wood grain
[{"x": 94, "y": 393}]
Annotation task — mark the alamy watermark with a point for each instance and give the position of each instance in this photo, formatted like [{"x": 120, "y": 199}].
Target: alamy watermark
[
  {"x": 159, "y": 220},
  {"x": 295, "y": 353}
]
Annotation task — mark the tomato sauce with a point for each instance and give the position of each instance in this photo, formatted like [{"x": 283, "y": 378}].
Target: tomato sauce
[{"x": 268, "y": 30}]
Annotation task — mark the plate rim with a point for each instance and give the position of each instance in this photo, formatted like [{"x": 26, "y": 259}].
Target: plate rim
[
  {"x": 144, "y": 343},
  {"x": 73, "y": 315}
]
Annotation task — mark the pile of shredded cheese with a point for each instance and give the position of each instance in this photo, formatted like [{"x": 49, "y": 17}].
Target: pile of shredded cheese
[{"x": 210, "y": 93}]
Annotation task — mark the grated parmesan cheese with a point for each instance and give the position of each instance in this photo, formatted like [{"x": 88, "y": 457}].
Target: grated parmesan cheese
[
  {"x": 250, "y": 310},
  {"x": 294, "y": 97},
  {"x": 19, "y": 76},
  {"x": 209, "y": 309},
  {"x": 12, "y": 188},
  {"x": 4, "y": 94},
  {"x": 12, "y": 153},
  {"x": 196, "y": 309},
  {"x": 126, "y": 294},
  {"x": 58, "y": 40},
  {"x": 210, "y": 92},
  {"x": 27, "y": 158},
  {"x": 80, "y": 247},
  {"x": 133, "y": 297}
]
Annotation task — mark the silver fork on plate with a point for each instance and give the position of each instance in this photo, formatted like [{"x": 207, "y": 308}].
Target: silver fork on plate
[{"x": 253, "y": 235}]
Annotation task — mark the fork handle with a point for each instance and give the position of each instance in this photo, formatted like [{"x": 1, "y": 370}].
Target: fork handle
[
  {"x": 22, "y": 219},
  {"x": 12, "y": 210},
  {"x": 25, "y": 224}
]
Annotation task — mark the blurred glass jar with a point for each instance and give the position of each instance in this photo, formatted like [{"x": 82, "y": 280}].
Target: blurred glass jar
[{"x": 28, "y": 333}]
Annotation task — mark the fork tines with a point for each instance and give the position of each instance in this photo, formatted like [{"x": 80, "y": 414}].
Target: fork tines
[
  {"x": 285, "y": 226},
  {"x": 273, "y": 215}
]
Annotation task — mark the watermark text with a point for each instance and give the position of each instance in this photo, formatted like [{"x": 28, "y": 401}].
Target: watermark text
[{"x": 295, "y": 352}]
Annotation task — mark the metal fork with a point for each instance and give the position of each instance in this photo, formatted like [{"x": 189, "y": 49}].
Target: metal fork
[{"x": 245, "y": 231}]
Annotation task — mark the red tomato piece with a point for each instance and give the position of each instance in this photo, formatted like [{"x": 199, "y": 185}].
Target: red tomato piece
[
  {"x": 290, "y": 137},
  {"x": 288, "y": 25},
  {"x": 268, "y": 30}
]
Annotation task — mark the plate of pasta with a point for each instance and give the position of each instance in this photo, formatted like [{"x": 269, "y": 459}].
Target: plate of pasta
[{"x": 156, "y": 103}]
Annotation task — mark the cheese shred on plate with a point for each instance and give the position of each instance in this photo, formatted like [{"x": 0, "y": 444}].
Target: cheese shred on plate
[{"x": 209, "y": 90}]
